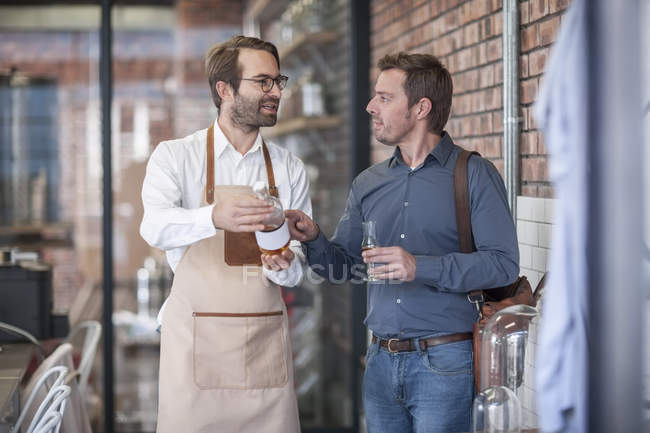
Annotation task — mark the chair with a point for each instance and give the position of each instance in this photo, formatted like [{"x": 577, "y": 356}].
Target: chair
[
  {"x": 49, "y": 423},
  {"x": 54, "y": 400},
  {"x": 93, "y": 330},
  {"x": 75, "y": 418},
  {"x": 50, "y": 413},
  {"x": 11, "y": 329}
]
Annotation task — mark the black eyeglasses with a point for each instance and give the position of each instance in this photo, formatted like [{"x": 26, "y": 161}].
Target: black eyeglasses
[{"x": 267, "y": 83}]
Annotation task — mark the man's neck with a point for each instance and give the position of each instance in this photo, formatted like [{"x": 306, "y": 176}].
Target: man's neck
[
  {"x": 414, "y": 152},
  {"x": 242, "y": 139}
]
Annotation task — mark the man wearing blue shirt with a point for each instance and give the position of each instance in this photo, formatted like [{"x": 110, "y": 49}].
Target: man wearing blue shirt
[{"x": 419, "y": 366}]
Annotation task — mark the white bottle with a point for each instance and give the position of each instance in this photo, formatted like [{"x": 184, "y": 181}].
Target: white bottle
[{"x": 275, "y": 237}]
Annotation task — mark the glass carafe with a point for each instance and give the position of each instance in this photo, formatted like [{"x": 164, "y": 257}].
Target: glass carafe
[
  {"x": 504, "y": 343},
  {"x": 496, "y": 410},
  {"x": 503, "y": 347}
]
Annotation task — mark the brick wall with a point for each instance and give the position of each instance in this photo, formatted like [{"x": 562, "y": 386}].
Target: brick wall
[
  {"x": 466, "y": 36},
  {"x": 209, "y": 13},
  {"x": 540, "y": 20}
]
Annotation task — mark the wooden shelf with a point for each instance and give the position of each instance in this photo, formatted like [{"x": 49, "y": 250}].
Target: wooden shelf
[
  {"x": 305, "y": 40},
  {"x": 25, "y": 236},
  {"x": 298, "y": 124},
  {"x": 52, "y": 229}
]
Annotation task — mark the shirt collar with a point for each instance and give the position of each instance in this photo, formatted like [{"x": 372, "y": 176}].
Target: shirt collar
[
  {"x": 443, "y": 149},
  {"x": 440, "y": 152},
  {"x": 221, "y": 142}
]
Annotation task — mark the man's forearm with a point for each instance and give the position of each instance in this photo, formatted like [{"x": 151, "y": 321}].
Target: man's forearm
[
  {"x": 176, "y": 227},
  {"x": 458, "y": 272},
  {"x": 330, "y": 260}
]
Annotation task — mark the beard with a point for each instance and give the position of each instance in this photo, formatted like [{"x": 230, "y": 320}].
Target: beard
[
  {"x": 394, "y": 135},
  {"x": 246, "y": 112}
]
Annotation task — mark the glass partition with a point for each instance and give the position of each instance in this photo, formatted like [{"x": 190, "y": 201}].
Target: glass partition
[{"x": 51, "y": 174}]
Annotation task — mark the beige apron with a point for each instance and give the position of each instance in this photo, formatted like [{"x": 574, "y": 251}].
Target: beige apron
[{"x": 225, "y": 354}]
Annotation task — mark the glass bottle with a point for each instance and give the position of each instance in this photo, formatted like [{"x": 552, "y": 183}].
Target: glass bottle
[
  {"x": 275, "y": 237},
  {"x": 312, "y": 95}
]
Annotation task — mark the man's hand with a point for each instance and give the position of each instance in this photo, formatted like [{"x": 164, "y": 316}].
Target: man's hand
[
  {"x": 240, "y": 214},
  {"x": 397, "y": 263},
  {"x": 301, "y": 227},
  {"x": 278, "y": 262}
]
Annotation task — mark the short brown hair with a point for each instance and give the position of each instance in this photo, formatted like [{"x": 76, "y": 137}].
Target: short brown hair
[
  {"x": 426, "y": 77},
  {"x": 221, "y": 61}
]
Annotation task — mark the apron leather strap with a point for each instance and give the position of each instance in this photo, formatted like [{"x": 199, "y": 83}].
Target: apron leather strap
[
  {"x": 209, "y": 186},
  {"x": 273, "y": 190}
]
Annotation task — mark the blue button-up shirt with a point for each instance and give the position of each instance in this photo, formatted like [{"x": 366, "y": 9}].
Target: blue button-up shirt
[{"x": 414, "y": 209}]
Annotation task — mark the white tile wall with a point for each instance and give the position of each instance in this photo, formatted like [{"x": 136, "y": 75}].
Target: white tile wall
[
  {"x": 527, "y": 232},
  {"x": 534, "y": 226},
  {"x": 525, "y": 256},
  {"x": 544, "y": 234},
  {"x": 524, "y": 208},
  {"x": 539, "y": 259},
  {"x": 549, "y": 209}
]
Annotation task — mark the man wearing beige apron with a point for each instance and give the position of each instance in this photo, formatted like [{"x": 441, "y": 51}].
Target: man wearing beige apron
[{"x": 225, "y": 356}]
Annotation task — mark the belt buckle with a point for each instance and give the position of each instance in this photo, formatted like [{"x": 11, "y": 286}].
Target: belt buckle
[{"x": 388, "y": 345}]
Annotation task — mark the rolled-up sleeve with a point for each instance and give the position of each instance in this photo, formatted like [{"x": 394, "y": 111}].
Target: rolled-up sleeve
[{"x": 166, "y": 224}]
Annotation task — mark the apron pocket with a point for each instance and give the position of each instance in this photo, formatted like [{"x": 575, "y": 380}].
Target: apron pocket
[{"x": 239, "y": 351}]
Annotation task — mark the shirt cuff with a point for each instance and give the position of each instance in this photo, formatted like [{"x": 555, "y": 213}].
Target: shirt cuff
[
  {"x": 286, "y": 277},
  {"x": 318, "y": 245},
  {"x": 428, "y": 269},
  {"x": 203, "y": 219}
]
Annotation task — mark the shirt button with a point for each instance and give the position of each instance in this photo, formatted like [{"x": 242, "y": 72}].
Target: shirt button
[
  {"x": 399, "y": 301},
  {"x": 406, "y": 204},
  {"x": 402, "y": 236},
  {"x": 410, "y": 173}
]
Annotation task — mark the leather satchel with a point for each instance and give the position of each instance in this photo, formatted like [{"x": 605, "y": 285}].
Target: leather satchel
[
  {"x": 240, "y": 248},
  {"x": 489, "y": 301}
]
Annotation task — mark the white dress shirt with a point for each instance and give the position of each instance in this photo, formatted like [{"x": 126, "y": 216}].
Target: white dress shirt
[{"x": 174, "y": 184}]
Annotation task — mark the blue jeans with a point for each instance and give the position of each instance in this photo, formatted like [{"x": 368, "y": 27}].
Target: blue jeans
[{"x": 421, "y": 391}]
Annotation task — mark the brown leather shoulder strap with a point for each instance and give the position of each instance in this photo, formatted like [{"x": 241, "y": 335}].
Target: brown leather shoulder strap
[
  {"x": 461, "y": 198},
  {"x": 209, "y": 181},
  {"x": 273, "y": 190},
  {"x": 463, "y": 217}
]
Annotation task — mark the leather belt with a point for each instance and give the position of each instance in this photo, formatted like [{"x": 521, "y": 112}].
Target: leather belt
[{"x": 395, "y": 345}]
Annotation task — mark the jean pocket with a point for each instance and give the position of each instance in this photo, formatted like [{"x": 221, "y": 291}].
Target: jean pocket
[
  {"x": 450, "y": 358},
  {"x": 239, "y": 351},
  {"x": 371, "y": 352}
]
